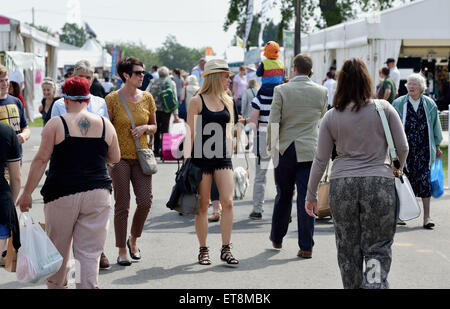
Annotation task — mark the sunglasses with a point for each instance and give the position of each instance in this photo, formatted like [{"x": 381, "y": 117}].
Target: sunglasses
[{"x": 139, "y": 72}]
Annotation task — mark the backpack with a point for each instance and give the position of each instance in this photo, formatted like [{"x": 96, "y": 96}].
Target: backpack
[
  {"x": 168, "y": 98},
  {"x": 159, "y": 89}
]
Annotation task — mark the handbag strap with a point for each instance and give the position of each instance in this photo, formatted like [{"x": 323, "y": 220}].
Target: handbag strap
[
  {"x": 387, "y": 131},
  {"x": 127, "y": 109},
  {"x": 327, "y": 171}
]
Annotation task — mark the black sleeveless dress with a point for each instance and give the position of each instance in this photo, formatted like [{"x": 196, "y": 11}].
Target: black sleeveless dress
[{"x": 209, "y": 151}]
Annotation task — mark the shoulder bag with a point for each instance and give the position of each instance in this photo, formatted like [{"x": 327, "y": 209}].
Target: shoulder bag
[
  {"x": 146, "y": 157},
  {"x": 408, "y": 207},
  {"x": 323, "y": 205}
]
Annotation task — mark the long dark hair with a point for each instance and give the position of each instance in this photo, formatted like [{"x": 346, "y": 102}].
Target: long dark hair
[
  {"x": 354, "y": 85},
  {"x": 15, "y": 87}
]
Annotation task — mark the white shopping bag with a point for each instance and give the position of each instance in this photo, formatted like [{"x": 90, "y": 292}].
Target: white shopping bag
[
  {"x": 37, "y": 258},
  {"x": 409, "y": 208},
  {"x": 177, "y": 128}
]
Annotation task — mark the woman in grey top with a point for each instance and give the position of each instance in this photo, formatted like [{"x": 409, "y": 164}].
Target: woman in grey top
[{"x": 362, "y": 191}]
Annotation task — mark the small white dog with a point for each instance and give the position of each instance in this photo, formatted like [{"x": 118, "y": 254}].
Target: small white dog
[{"x": 241, "y": 182}]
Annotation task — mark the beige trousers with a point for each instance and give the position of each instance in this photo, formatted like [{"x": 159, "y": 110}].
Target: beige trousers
[{"x": 83, "y": 218}]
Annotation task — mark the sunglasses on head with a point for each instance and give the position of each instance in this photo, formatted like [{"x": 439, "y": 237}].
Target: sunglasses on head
[{"x": 139, "y": 72}]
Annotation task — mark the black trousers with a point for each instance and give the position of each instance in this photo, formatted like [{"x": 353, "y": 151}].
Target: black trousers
[
  {"x": 290, "y": 173},
  {"x": 163, "y": 122}
]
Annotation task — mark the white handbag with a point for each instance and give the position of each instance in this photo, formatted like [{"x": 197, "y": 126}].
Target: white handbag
[{"x": 408, "y": 207}]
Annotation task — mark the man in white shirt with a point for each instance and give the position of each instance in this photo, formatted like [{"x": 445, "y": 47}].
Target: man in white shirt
[
  {"x": 198, "y": 70},
  {"x": 394, "y": 72},
  {"x": 154, "y": 72},
  {"x": 107, "y": 85},
  {"x": 97, "y": 105},
  {"x": 330, "y": 84}
]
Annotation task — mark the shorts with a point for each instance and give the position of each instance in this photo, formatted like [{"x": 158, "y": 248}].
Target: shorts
[
  {"x": 208, "y": 166},
  {"x": 5, "y": 232}
]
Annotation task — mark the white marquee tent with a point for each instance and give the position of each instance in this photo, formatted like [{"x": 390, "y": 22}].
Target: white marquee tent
[
  {"x": 419, "y": 28},
  {"x": 91, "y": 51}
]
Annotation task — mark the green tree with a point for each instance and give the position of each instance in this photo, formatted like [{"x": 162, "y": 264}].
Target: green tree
[
  {"x": 332, "y": 12},
  {"x": 174, "y": 55},
  {"x": 42, "y": 28},
  {"x": 138, "y": 50},
  {"x": 73, "y": 35}
]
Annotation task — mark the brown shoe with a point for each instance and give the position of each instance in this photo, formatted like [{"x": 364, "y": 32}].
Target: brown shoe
[
  {"x": 104, "y": 263},
  {"x": 276, "y": 245},
  {"x": 304, "y": 254}
]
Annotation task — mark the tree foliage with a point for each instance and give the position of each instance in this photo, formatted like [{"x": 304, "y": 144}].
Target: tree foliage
[
  {"x": 332, "y": 12},
  {"x": 138, "y": 50},
  {"x": 174, "y": 55},
  {"x": 45, "y": 29},
  {"x": 73, "y": 35}
]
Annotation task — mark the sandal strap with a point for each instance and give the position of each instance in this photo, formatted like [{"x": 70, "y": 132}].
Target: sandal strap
[
  {"x": 225, "y": 255},
  {"x": 203, "y": 256}
]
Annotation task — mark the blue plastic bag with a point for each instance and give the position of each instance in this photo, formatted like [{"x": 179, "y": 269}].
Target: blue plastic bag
[{"x": 437, "y": 179}]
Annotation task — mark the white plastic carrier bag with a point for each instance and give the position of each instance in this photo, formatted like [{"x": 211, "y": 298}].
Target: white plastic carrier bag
[{"x": 37, "y": 258}]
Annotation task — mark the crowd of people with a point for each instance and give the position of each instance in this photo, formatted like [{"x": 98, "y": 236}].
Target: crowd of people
[{"x": 90, "y": 140}]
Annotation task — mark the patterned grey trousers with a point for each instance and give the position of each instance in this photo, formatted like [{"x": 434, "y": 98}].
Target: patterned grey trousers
[{"x": 364, "y": 215}]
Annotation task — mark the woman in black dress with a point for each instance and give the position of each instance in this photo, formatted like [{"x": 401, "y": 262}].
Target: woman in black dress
[
  {"x": 49, "y": 91},
  {"x": 210, "y": 119}
]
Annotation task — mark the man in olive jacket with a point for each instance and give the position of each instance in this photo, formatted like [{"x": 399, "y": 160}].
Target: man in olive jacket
[{"x": 296, "y": 110}]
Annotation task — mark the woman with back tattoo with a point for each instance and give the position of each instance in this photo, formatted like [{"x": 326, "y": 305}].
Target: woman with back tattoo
[{"x": 77, "y": 190}]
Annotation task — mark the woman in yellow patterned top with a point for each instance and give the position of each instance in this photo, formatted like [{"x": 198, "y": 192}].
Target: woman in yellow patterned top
[{"x": 142, "y": 107}]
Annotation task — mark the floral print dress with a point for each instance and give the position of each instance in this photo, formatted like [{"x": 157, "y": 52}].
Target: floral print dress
[{"x": 417, "y": 163}]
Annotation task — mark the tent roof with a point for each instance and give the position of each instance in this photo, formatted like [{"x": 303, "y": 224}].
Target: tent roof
[
  {"x": 422, "y": 19},
  {"x": 91, "y": 51},
  {"x": 92, "y": 45}
]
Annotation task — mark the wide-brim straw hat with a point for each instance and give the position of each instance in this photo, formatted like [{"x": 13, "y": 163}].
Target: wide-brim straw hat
[
  {"x": 251, "y": 67},
  {"x": 216, "y": 66}
]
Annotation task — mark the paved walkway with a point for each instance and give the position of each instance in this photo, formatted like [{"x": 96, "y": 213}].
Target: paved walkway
[{"x": 421, "y": 258}]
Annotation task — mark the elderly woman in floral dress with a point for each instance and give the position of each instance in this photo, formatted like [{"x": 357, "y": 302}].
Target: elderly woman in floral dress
[{"x": 420, "y": 119}]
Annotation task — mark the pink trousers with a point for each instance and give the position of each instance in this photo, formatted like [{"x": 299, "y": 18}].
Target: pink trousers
[{"x": 83, "y": 218}]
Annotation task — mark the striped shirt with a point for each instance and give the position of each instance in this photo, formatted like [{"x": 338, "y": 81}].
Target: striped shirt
[{"x": 263, "y": 104}]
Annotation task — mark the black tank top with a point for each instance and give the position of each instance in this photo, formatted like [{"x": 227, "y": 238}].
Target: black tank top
[
  {"x": 77, "y": 165},
  {"x": 213, "y": 134}
]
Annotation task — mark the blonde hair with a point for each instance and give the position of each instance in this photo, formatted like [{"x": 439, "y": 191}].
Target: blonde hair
[
  {"x": 252, "y": 83},
  {"x": 49, "y": 81},
  {"x": 212, "y": 83},
  {"x": 3, "y": 70}
]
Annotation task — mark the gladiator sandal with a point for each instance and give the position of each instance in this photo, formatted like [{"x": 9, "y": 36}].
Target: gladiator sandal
[
  {"x": 226, "y": 256},
  {"x": 203, "y": 256}
]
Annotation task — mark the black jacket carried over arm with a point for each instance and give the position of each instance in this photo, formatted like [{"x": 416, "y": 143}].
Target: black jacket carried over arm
[{"x": 186, "y": 182}]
